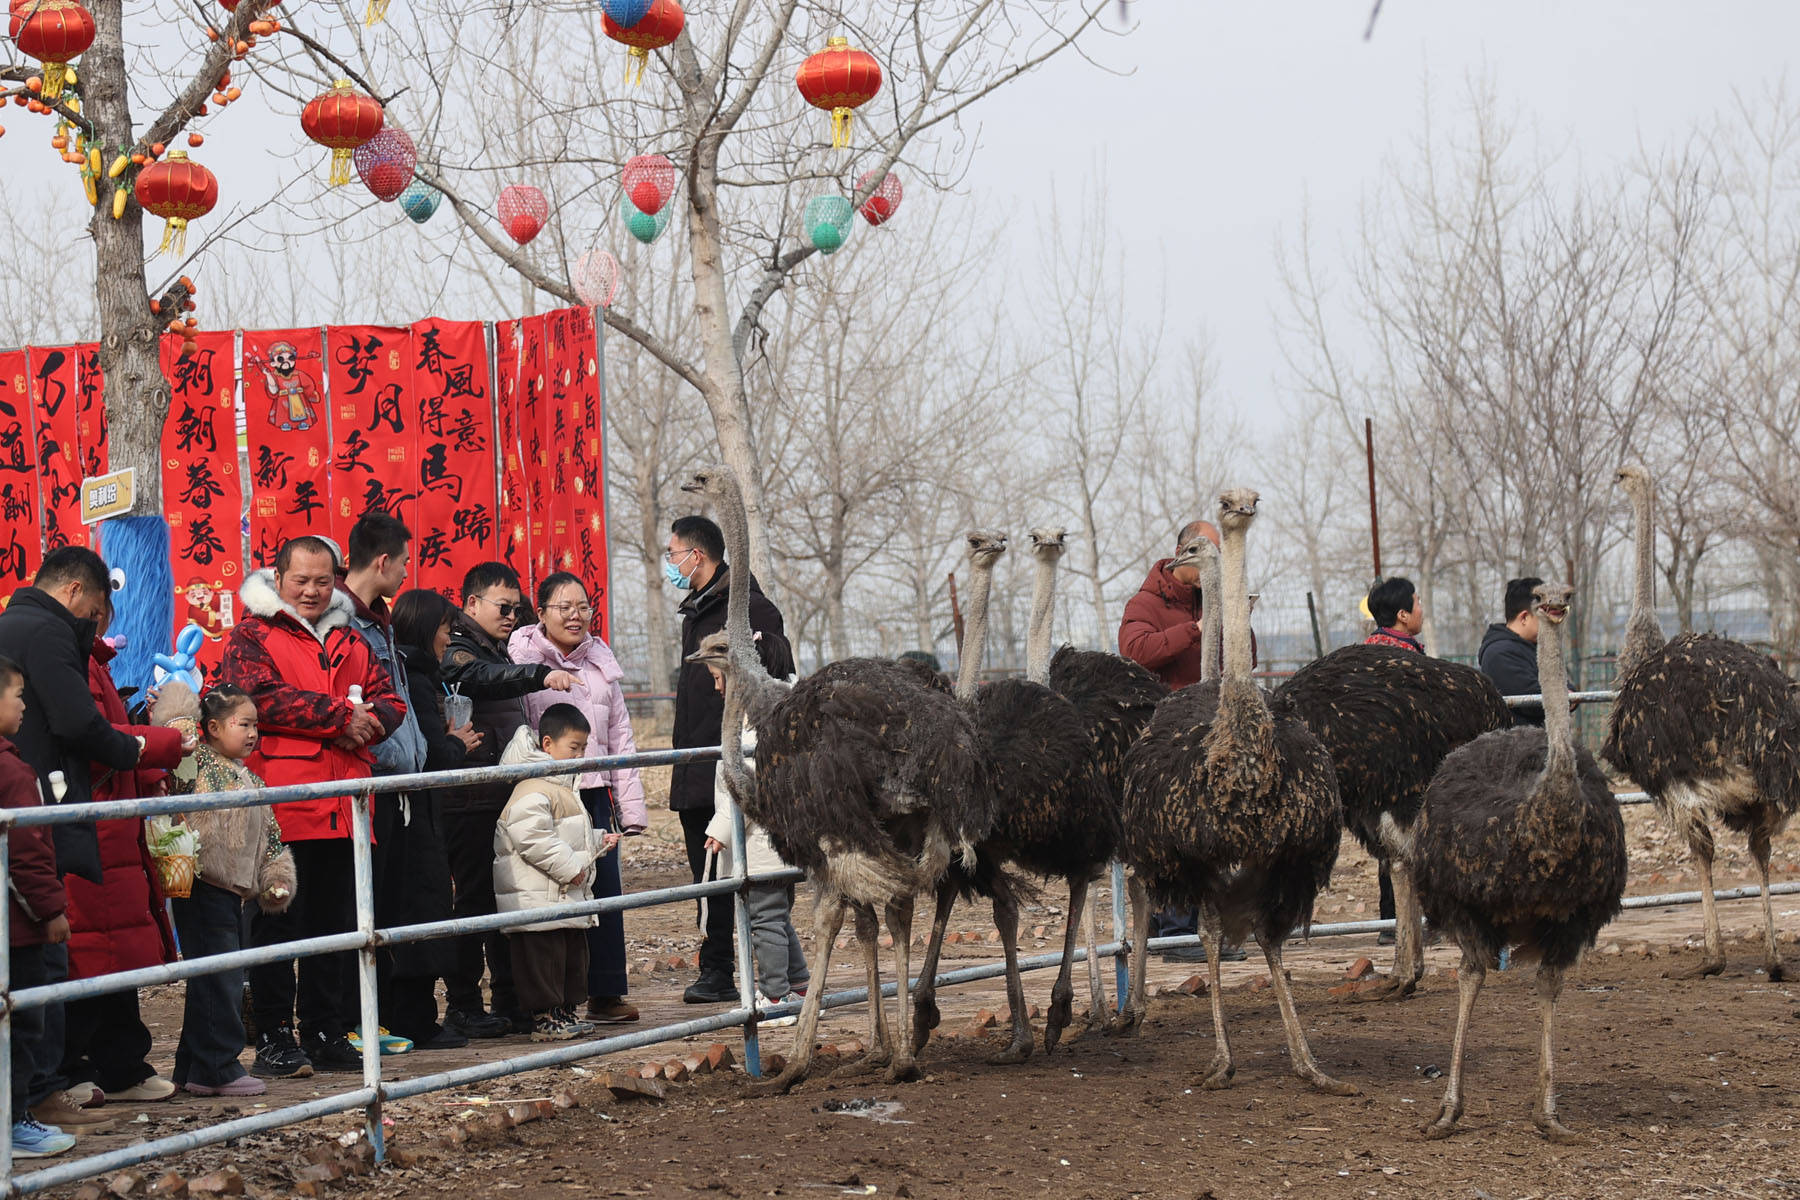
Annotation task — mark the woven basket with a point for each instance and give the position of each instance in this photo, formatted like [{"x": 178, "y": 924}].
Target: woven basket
[{"x": 176, "y": 874}]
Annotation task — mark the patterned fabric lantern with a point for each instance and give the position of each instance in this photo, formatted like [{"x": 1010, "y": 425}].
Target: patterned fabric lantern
[
  {"x": 827, "y": 222},
  {"x": 523, "y": 211},
  {"x": 596, "y": 278},
  {"x": 839, "y": 79},
  {"x": 649, "y": 180},
  {"x": 625, "y": 13},
  {"x": 883, "y": 200},
  {"x": 385, "y": 162},
  {"x": 420, "y": 201},
  {"x": 645, "y": 227},
  {"x": 342, "y": 119},
  {"x": 177, "y": 190},
  {"x": 53, "y": 32},
  {"x": 659, "y": 24}
]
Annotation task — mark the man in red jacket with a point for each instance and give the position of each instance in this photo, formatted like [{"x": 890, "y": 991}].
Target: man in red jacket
[{"x": 294, "y": 651}]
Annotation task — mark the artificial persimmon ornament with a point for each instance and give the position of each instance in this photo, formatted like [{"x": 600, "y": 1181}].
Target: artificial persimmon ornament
[
  {"x": 385, "y": 162},
  {"x": 53, "y": 32},
  {"x": 343, "y": 119},
  {"x": 649, "y": 179},
  {"x": 523, "y": 211},
  {"x": 659, "y": 25},
  {"x": 177, "y": 190},
  {"x": 839, "y": 80},
  {"x": 883, "y": 200}
]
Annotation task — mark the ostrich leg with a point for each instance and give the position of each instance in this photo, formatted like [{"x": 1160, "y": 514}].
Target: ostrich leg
[
  {"x": 1409, "y": 940},
  {"x": 1131, "y": 1011},
  {"x": 827, "y": 921},
  {"x": 1700, "y": 842},
  {"x": 1549, "y": 987},
  {"x": 1469, "y": 978},
  {"x": 1759, "y": 849},
  {"x": 1299, "y": 1053},
  {"x": 925, "y": 1015},
  {"x": 1221, "y": 1069},
  {"x": 868, "y": 932},
  {"x": 1006, "y": 920},
  {"x": 1062, "y": 993},
  {"x": 1096, "y": 990},
  {"x": 904, "y": 1068}
]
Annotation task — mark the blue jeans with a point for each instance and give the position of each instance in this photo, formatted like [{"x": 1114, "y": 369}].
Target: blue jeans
[
  {"x": 211, "y": 921},
  {"x": 32, "y": 1058}
]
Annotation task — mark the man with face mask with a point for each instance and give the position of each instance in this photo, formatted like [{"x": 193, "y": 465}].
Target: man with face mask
[{"x": 694, "y": 564}]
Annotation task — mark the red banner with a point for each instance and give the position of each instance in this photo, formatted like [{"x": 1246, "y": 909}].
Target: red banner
[
  {"x": 287, "y": 427},
  {"x": 374, "y": 445},
  {"x": 587, "y": 471},
  {"x": 515, "y": 494},
  {"x": 55, "y": 404},
  {"x": 457, "y": 497},
  {"x": 90, "y": 422},
  {"x": 203, "y": 494},
  {"x": 21, "y": 544},
  {"x": 534, "y": 428}
]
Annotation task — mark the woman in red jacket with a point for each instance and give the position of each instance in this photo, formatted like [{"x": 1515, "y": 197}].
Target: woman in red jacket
[{"x": 118, "y": 924}]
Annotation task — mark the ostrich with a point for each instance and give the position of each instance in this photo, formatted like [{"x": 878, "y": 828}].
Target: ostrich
[
  {"x": 1519, "y": 842},
  {"x": 1388, "y": 717},
  {"x": 866, "y": 778},
  {"x": 1234, "y": 809},
  {"x": 1053, "y": 815},
  {"x": 1709, "y": 728}
]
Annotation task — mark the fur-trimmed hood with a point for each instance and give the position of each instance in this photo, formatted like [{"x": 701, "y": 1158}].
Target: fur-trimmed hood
[{"x": 261, "y": 598}]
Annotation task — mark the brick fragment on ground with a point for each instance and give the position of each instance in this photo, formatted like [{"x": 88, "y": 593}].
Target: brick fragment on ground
[
  {"x": 773, "y": 1063},
  {"x": 88, "y": 1191},
  {"x": 127, "y": 1183},
  {"x": 986, "y": 1019},
  {"x": 170, "y": 1185},
  {"x": 853, "y": 1048},
  {"x": 1359, "y": 969},
  {"x": 1193, "y": 985},
  {"x": 530, "y": 1110},
  {"x": 696, "y": 1064},
  {"x": 674, "y": 1071},
  {"x": 564, "y": 1097},
  {"x": 629, "y": 1087},
  {"x": 318, "y": 1172},
  {"x": 719, "y": 1057},
  {"x": 400, "y": 1156},
  {"x": 226, "y": 1181},
  {"x": 1259, "y": 983},
  {"x": 648, "y": 1071}
]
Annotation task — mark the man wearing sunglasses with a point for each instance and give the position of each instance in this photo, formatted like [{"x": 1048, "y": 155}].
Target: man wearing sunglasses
[{"x": 476, "y": 664}]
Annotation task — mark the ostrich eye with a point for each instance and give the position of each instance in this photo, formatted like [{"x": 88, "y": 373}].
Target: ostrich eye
[{"x": 117, "y": 578}]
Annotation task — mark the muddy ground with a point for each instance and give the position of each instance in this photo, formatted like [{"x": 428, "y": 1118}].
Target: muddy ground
[{"x": 1680, "y": 1088}]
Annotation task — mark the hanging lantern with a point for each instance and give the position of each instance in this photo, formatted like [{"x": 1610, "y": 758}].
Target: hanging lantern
[
  {"x": 420, "y": 201},
  {"x": 827, "y": 222},
  {"x": 658, "y": 25},
  {"x": 523, "y": 211},
  {"x": 649, "y": 180},
  {"x": 385, "y": 162},
  {"x": 839, "y": 79},
  {"x": 177, "y": 190},
  {"x": 53, "y": 32},
  {"x": 883, "y": 200},
  {"x": 596, "y": 278},
  {"x": 625, "y": 13},
  {"x": 645, "y": 227},
  {"x": 343, "y": 119}
]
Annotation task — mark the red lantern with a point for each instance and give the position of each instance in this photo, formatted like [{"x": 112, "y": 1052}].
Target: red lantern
[
  {"x": 53, "y": 32},
  {"x": 649, "y": 180},
  {"x": 883, "y": 200},
  {"x": 523, "y": 211},
  {"x": 385, "y": 162},
  {"x": 659, "y": 26},
  {"x": 177, "y": 190},
  {"x": 343, "y": 119},
  {"x": 839, "y": 79}
]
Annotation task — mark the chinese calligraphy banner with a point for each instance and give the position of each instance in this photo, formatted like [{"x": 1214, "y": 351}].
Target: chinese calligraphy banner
[
  {"x": 455, "y": 421},
  {"x": 203, "y": 493},
  {"x": 374, "y": 443},
  {"x": 289, "y": 439},
  {"x": 515, "y": 494},
  {"x": 90, "y": 411},
  {"x": 21, "y": 544},
  {"x": 54, "y": 407}
]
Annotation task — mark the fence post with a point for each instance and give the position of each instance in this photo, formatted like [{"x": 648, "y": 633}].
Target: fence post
[
  {"x": 746, "y": 955},
  {"x": 6, "y": 1062},
  {"x": 1122, "y": 960},
  {"x": 361, "y": 842}
]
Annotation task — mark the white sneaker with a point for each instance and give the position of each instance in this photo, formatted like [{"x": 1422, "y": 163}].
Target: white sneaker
[{"x": 767, "y": 1004}]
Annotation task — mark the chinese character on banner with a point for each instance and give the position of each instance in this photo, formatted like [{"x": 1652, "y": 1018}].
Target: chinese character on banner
[
  {"x": 203, "y": 492},
  {"x": 587, "y": 472},
  {"x": 55, "y": 404},
  {"x": 21, "y": 540},
  {"x": 90, "y": 425},
  {"x": 374, "y": 439},
  {"x": 455, "y": 421},
  {"x": 286, "y": 426},
  {"x": 515, "y": 495},
  {"x": 534, "y": 427}
]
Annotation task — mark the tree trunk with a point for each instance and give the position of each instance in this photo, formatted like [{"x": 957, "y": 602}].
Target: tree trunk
[{"x": 660, "y": 657}]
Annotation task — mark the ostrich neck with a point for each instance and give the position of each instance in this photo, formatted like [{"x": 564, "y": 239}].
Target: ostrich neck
[
  {"x": 746, "y": 666},
  {"x": 1235, "y": 601},
  {"x": 974, "y": 632},
  {"x": 1037, "y": 639},
  {"x": 1553, "y": 682},
  {"x": 1210, "y": 618},
  {"x": 1643, "y": 632}
]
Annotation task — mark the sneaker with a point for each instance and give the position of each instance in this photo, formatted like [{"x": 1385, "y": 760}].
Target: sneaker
[
  {"x": 446, "y": 1038},
  {"x": 153, "y": 1088},
  {"x": 332, "y": 1053},
  {"x": 769, "y": 1002},
  {"x": 31, "y": 1138},
  {"x": 85, "y": 1095},
  {"x": 582, "y": 1028},
  {"x": 279, "y": 1056},
  {"x": 477, "y": 1024},
  {"x": 243, "y": 1085},
  {"x": 1184, "y": 954},
  {"x": 548, "y": 1027},
  {"x": 58, "y": 1113},
  {"x": 610, "y": 1010},
  {"x": 390, "y": 1043},
  {"x": 710, "y": 989}
]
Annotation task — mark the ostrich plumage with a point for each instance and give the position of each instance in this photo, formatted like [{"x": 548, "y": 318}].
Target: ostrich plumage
[
  {"x": 1388, "y": 717},
  {"x": 1233, "y": 808},
  {"x": 1710, "y": 728},
  {"x": 1519, "y": 842},
  {"x": 865, "y": 776}
]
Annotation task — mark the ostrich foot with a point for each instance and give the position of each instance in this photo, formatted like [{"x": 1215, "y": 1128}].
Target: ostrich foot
[
  {"x": 904, "y": 1072},
  {"x": 1444, "y": 1126},
  {"x": 1706, "y": 966},
  {"x": 1777, "y": 972},
  {"x": 1324, "y": 1083},
  {"x": 1124, "y": 1024},
  {"x": 875, "y": 1060},
  {"x": 1555, "y": 1131},
  {"x": 780, "y": 1085},
  {"x": 1014, "y": 1054},
  {"x": 925, "y": 1018},
  {"x": 1056, "y": 1020},
  {"x": 1218, "y": 1074},
  {"x": 1391, "y": 987}
]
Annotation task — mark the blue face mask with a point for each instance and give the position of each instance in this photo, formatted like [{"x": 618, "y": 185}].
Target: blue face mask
[{"x": 673, "y": 574}]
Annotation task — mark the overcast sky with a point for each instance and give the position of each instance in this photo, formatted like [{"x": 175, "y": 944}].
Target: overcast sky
[{"x": 1227, "y": 115}]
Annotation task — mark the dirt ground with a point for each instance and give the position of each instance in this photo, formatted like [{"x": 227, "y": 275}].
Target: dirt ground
[{"x": 1680, "y": 1088}]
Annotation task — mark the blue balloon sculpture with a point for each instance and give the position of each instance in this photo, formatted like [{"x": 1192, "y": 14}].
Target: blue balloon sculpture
[{"x": 183, "y": 664}]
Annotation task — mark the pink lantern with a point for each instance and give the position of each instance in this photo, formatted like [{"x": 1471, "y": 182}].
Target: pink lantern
[
  {"x": 883, "y": 200},
  {"x": 385, "y": 162},
  {"x": 596, "y": 278},
  {"x": 523, "y": 211},
  {"x": 649, "y": 180}
]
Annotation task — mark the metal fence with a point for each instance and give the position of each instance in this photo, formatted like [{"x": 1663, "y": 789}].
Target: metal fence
[{"x": 366, "y": 939}]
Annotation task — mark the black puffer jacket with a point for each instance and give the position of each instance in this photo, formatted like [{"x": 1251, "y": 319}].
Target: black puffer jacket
[
  {"x": 1511, "y": 662},
  {"x": 480, "y": 668}
]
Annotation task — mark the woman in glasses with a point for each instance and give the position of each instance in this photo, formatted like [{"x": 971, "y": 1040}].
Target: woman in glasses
[{"x": 563, "y": 639}]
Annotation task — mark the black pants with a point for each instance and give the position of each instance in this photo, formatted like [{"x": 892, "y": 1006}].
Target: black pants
[
  {"x": 327, "y": 1000},
  {"x": 605, "y": 941},
  {"x": 210, "y": 921},
  {"x": 47, "y": 1077},
  {"x": 32, "y": 1057},
  {"x": 1386, "y": 882},
  {"x": 715, "y": 950},
  {"x": 105, "y": 1042},
  {"x": 550, "y": 968},
  {"x": 471, "y": 837}
]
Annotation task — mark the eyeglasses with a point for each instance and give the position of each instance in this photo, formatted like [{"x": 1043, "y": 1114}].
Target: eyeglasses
[
  {"x": 673, "y": 556},
  {"x": 505, "y": 608},
  {"x": 572, "y": 610}
]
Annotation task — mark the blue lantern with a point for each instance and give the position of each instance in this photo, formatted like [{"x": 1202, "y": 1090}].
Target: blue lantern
[
  {"x": 645, "y": 227},
  {"x": 625, "y": 13},
  {"x": 420, "y": 200},
  {"x": 827, "y": 222}
]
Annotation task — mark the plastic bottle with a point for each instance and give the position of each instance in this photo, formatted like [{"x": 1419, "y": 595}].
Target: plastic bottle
[
  {"x": 355, "y": 693},
  {"x": 59, "y": 786}
]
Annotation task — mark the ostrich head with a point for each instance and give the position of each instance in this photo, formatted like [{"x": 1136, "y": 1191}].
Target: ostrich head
[
  {"x": 1633, "y": 478},
  {"x": 713, "y": 651},
  {"x": 1197, "y": 553},
  {"x": 1047, "y": 544},
  {"x": 1551, "y": 602},
  {"x": 1237, "y": 508},
  {"x": 716, "y": 482},
  {"x": 985, "y": 548}
]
